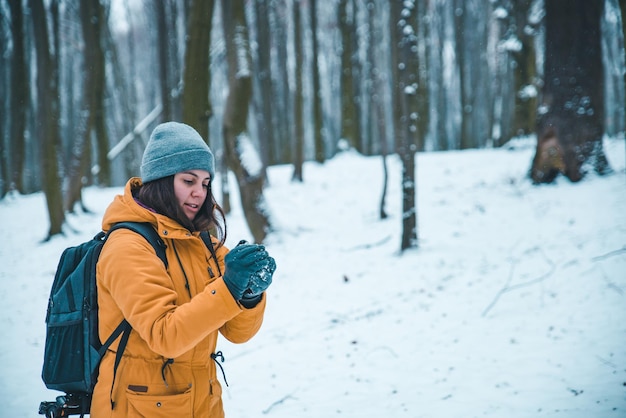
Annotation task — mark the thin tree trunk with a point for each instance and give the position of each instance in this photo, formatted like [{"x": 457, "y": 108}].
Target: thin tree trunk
[
  {"x": 526, "y": 73},
  {"x": 405, "y": 67},
  {"x": 241, "y": 155},
  {"x": 298, "y": 138},
  {"x": 622, "y": 7},
  {"x": 377, "y": 109},
  {"x": 19, "y": 98},
  {"x": 423, "y": 98},
  {"x": 47, "y": 117},
  {"x": 164, "y": 56},
  {"x": 318, "y": 121}
]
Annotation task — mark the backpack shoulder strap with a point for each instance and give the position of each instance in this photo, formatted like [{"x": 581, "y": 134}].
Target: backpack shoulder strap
[{"x": 146, "y": 230}]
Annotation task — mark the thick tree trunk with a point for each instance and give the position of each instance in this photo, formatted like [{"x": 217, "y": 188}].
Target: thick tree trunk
[
  {"x": 47, "y": 117},
  {"x": 241, "y": 155},
  {"x": 197, "y": 75},
  {"x": 570, "y": 123}
]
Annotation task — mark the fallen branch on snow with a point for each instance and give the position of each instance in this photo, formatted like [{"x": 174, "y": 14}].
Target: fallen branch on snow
[
  {"x": 508, "y": 288},
  {"x": 610, "y": 254},
  {"x": 278, "y": 402}
]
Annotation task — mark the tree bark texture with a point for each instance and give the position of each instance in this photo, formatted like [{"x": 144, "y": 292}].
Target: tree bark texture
[
  {"x": 405, "y": 84},
  {"x": 164, "y": 56},
  {"x": 19, "y": 99},
  {"x": 264, "y": 97},
  {"x": 92, "y": 121},
  {"x": 298, "y": 150},
  {"x": 622, "y": 7},
  {"x": 250, "y": 181},
  {"x": 284, "y": 104},
  {"x": 197, "y": 75},
  {"x": 524, "y": 60},
  {"x": 48, "y": 116},
  {"x": 318, "y": 121},
  {"x": 570, "y": 123},
  {"x": 349, "y": 114}
]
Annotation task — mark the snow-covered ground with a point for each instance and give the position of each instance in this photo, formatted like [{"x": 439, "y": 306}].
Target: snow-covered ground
[{"x": 513, "y": 306}]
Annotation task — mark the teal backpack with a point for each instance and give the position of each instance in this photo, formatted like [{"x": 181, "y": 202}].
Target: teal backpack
[{"x": 72, "y": 350}]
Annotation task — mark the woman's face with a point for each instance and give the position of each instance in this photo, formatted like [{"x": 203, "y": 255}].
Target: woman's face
[{"x": 191, "y": 188}]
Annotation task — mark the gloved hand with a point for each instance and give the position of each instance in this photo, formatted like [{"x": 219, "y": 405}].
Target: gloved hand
[
  {"x": 261, "y": 280},
  {"x": 242, "y": 262}
]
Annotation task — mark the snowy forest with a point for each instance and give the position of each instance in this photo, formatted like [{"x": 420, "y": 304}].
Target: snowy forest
[{"x": 274, "y": 82}]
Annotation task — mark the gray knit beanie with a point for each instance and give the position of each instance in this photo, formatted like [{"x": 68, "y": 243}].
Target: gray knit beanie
[{"x": 174, "y": 147}]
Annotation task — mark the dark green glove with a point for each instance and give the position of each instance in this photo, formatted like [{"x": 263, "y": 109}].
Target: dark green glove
[
  {"x": 262, "y": 279},
  {"x": 241, "y": 263}
]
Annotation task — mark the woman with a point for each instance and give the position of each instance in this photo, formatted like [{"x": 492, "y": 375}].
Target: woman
[{"x": 168, "y": 368}]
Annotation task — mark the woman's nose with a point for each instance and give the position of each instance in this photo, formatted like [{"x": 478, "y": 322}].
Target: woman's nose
[{"x": 198, "y": 191}]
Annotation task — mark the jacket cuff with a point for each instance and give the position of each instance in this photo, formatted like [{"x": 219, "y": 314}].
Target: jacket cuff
[{"x": 250, "y": 303}]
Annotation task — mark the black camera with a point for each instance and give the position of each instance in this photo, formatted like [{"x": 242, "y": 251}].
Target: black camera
[{"x": 66, "y": 405}]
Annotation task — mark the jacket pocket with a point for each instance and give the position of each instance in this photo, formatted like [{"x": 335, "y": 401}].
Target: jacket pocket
[{"x": 159, "y": 406}]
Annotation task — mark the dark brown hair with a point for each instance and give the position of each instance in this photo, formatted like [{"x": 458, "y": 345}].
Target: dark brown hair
[{"x": 159, "y": 195}]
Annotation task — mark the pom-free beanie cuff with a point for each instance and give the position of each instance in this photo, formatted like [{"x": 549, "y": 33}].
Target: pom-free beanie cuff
[{"x": 174, "y": 147}]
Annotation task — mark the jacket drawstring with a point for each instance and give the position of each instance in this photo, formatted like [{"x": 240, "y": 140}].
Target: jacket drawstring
[
  {"x": 219, "y": 355},
  {"x": 165, "y": 364},
  {"x": 183, "y": 269}
]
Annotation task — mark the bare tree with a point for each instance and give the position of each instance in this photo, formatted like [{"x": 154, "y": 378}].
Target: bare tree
[
  {"x": 405, "y": 84},
  {"x": 298, "y": 137},
  {"x": 48, "y": 116},
  {"x": 164, "y": 55},
  {"x": 264, "y": 98},
  {"x": 318, "y": 122},
  {"x": 423, "y": 72},
  {"x": 471, "y": 51},
  {"x": 197, "y": 76},
  {"x": 349, "y": 113},
  {"x": 524, "y": 61},
  {"x": 240, "y": 153},
  {"x": 5, "y": 65},
  {"x": 570, "y": 122},
  {"x": 622, "y": 7},
  {"x": 92, "y": 121},
  {"x": 282, "y": 95},
  {"x": 19, "y": 97}
]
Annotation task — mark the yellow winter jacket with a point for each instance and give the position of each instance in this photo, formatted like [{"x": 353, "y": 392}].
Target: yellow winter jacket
[{"x": 174, "y": 314}]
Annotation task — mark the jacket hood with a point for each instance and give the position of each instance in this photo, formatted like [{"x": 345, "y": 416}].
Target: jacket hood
[{"x": 125, "y": 208}]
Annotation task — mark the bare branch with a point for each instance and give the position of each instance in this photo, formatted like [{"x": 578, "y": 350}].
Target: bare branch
[
  {"x": 508, "y": 288},
  {"x": 609, "y": 254},
  {"x": 278, "y": 402}
]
